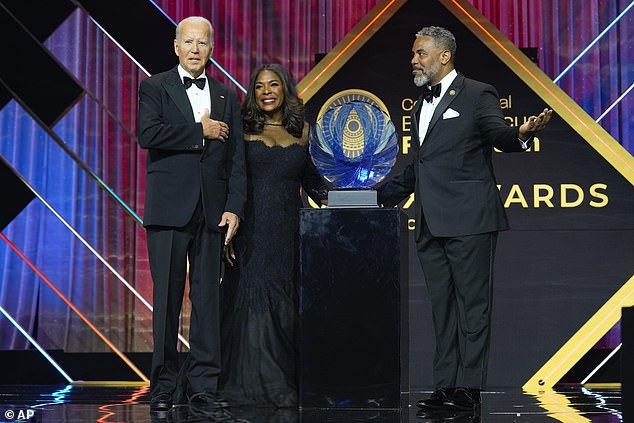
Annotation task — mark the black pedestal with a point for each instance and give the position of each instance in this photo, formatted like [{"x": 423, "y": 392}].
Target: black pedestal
[{"x": 353, "y": 347}]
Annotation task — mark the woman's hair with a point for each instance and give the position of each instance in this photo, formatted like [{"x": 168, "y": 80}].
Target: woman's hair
[{"x": 292, "y": 108}]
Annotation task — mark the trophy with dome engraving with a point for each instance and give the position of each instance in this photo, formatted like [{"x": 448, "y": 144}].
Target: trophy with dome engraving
[{"x": 354, "y": 146}]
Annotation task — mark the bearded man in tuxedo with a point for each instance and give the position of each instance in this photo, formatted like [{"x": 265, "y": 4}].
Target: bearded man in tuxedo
[{"x": 457, "y": 122}]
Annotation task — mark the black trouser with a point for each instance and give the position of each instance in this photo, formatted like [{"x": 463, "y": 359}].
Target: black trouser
[
  {"x": 459, "y": 273},
  {"x": 168, "y": 251}
]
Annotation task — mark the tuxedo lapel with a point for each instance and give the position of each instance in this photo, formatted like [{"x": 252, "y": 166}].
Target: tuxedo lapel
[
  {"x": 218, "y": 98},
  {"x": 450, "y": 95},
  {"x": 415, "y": 115},
  {"x": 176, "y": 90}
]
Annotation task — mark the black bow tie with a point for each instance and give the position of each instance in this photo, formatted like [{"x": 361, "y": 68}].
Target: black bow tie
[
  {"x": 430, "y": 93},
  {"x": 200, "y": 82}
]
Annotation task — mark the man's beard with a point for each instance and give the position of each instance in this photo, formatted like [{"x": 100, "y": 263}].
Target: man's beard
[
  {"x": 421, "y": 80},
  {"x": 425, "y": 77}
]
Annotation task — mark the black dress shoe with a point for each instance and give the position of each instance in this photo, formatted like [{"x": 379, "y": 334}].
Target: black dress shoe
[
  {"x": 208, "y": 400},
  {"x": 464, "y": 399},
  {"x": 436, "y": 400},
  {"x": 447, "y": 415},
  {"x": 161, "y": 402},
  {"x": 210, "y": 408},
  {"x": 435, "y": 415}
]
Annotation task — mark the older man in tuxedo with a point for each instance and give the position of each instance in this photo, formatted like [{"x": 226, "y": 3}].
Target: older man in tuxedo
[
  {"x": 457, "y": 122},
  {"x": 190, "y": 125}
]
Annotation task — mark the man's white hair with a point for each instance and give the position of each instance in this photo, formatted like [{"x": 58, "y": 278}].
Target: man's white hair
[{"x": 195, "y": 19}]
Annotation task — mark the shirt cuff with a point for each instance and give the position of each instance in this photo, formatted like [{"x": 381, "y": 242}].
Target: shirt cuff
[{"x": 525, "y": 144}]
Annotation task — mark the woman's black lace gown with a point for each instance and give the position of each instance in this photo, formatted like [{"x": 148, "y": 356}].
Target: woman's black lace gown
[{"x": 260, "y": 292}]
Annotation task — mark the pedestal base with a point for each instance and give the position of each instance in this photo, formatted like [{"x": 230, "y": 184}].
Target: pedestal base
[{"x": 352, "y": 198}]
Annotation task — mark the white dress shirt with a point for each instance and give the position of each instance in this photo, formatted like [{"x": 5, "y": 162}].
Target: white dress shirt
[
  {"x": 427, "y": 109},
  {"x": 199, "y": 99}
]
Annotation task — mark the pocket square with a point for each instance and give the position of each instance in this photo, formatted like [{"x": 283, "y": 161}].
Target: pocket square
[{"x": 450, "y": 113}]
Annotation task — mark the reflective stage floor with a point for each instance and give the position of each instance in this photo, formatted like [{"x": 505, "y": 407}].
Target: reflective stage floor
[{"x": 35, "y": 403}]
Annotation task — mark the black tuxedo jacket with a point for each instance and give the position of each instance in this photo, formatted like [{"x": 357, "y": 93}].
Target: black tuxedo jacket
[
  {"x": 452, "y": 172},
  {"x": 180, "y": 170}
]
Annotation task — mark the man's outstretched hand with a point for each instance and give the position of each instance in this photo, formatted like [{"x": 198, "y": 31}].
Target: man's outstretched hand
[{"x": 535, "y": 124}]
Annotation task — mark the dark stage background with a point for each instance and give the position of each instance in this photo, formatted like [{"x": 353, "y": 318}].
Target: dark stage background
[{"x": 68, "y": 140}]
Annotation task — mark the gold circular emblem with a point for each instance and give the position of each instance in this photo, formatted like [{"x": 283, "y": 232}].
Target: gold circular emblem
[{"x": 347, "y": 96}]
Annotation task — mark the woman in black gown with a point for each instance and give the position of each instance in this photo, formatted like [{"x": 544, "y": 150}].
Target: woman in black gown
[{"x": 260, "y": 290}]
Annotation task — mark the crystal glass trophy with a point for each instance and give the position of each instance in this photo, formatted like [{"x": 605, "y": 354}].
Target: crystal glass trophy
[{"x": 354, "y": 145}]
